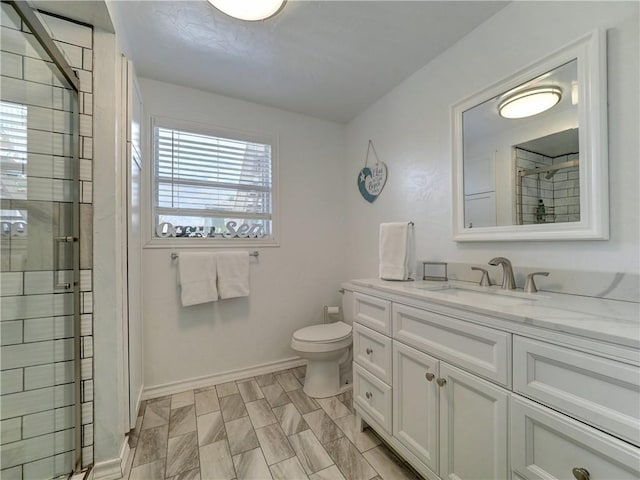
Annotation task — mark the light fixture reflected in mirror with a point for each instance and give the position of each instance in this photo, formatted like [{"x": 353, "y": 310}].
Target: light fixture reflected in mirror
[
  {"x": 249, "y": 10},
  {"x": 530, "y": 102}
]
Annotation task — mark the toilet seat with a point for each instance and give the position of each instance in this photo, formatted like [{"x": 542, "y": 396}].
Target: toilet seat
[{"x": 323, "y": 333}]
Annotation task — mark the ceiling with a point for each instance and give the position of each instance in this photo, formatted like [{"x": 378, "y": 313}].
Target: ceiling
[{"x": 327, "y": 59}]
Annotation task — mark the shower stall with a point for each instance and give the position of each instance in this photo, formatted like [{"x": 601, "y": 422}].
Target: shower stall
[{"x": 39, "y": 264}]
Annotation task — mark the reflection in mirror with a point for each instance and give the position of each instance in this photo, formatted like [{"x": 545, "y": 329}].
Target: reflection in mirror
[
  {"x": 548, "y": 179},
  {"x": 520, "y": 153},
  {"x": 529, "y": 152}
]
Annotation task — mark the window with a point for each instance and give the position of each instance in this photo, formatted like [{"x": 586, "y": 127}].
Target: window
[{"x": 212, "y": 186}]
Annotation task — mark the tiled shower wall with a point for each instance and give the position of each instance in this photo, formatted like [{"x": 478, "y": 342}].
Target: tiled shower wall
[
  {"x": 561, "y": 192},
  {"x": 37, "y": 324}
]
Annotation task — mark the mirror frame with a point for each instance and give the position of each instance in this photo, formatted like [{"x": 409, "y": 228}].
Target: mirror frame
[{"x": 590, "y": 51}]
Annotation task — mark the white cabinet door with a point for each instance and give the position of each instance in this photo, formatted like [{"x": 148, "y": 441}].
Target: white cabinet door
[
  {"x": 415, "y": 403},
  {"x": 548, "y": 446},
  {"x": 474, "y": 429}
]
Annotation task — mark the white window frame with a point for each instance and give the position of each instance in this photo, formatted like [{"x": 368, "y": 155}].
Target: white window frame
[{"x": 211, "y": 130}]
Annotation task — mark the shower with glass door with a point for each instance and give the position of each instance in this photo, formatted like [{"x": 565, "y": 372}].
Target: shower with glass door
[{"x": 39, "y": 262}]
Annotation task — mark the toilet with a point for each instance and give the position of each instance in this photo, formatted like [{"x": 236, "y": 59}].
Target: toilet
[{"x": 325, "y": 347}]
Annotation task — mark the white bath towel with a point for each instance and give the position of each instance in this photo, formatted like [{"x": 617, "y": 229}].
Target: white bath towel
[
  {"x": 233, "y": 274},
  {"x": 197, "y": 275},
  {"x": 396, "y": 251}
]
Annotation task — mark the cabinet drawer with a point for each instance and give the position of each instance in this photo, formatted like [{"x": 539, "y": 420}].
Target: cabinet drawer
[
  {"x": 372, "y": 312},
  {"x": 373, "y": 396},
  {"x": 481, "y": 350},
  {"x": 372, "y": 350},
  {"x": 547, "y": 445},
  {"x": 602, "y": 392}
]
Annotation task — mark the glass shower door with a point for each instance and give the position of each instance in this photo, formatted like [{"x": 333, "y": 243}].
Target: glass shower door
[{"x": 39, "y": 387}]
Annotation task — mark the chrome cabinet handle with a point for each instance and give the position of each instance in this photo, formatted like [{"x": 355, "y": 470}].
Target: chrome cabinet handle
[
  {"x": 57, "y": 285},
  {"x": 581, "y": 473},
  {"x": 429, "y": 376},
  {"x": 441, "y": 382},
  {"x": 369, "y": 351},
  {"x": 368, "y": 395}
]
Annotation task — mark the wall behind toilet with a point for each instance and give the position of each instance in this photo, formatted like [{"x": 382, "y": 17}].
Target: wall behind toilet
[{"x": 289, "y": 284}]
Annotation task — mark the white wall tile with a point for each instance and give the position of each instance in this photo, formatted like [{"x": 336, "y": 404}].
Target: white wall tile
[
  {"x": 36, "y": 306},
  {"x": 87, "y": 302},
  {"x": 86, "y": 81},
  {"x": 86, "y": 170},
  {"x": 38, "y": 353},
  {"x": 26, "y": 93},
  {"x": 48, "y": 375},
  {"x": 14, "y": 473},
  {"x": 72, "y": 53},
  {"x": 87, "y": 413},
  {"x": 87, "y": 59},
  {"x": 27, "y": 451},
  {"x": 85, "y": 280},
  {"x": 69, "y": 32},
  {"x": 9, "y": 17},
  {"x": 47, "y": 422},
  {"x": 10, "y": 283},
  {"x": 10, "y": 431},
  {"x": 87, "y": 456},
  {"x": 15, "y": 41},
  {"x": 42, "y": 282},
  {"x": 58, "y": 465},
  {"x": 11, "y": 381},
  {"x": 87, "y": 391},
  {"x": 87, "y": 347},
  {"x": 48, "y": 328},
  {"x": 36, "y": 70},
  {"x": 86, "y": 368},
  {"x": 87, "y": 192},
  {"x": 86, "y": 125},
  {"x": 11, "y": 332},
  {"x": 87, "y": 435},
  {"x": 11, "y": 64},
  {"x": 86, "y": 324},
  {"x": 87, "y": 100},
  {"x": 87, "y": 147}
]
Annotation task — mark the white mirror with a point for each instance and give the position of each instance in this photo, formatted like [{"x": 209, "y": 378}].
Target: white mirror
[{"x": 530, "y": 152}]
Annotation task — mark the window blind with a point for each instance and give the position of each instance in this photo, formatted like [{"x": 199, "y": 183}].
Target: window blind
[
  {"x": 206, "y": 180},
  {"x": 13, "y": 146}
]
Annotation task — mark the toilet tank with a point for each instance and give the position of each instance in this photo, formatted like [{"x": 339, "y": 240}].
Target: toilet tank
[{"x": 347, "y": 307}]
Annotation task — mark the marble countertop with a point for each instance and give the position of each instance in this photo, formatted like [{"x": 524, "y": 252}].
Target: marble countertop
[{"x": 612, "y": 321}]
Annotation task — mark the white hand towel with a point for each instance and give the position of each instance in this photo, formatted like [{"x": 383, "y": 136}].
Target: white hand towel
[
  {"x": 396, "y": 247},
  {"x": 197, "y": 275},
  {"x": 233, "y": 274}
]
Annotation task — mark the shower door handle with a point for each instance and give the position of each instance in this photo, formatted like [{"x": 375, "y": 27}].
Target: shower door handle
[{"x": 57, "y": 285}]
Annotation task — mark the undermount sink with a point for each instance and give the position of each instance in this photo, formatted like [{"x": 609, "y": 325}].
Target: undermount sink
[{"x": 483, "y": 294}]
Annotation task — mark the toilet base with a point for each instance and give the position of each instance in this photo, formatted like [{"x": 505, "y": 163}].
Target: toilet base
[{"x": 322, "y": 378}]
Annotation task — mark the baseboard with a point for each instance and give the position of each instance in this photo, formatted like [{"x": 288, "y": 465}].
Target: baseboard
[
  {"x": 230, "y": 376},
  {"x": 114, "y": 468}
]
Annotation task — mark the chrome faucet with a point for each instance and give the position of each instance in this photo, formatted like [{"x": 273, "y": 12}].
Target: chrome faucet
[{"x": 508, "y": 281}]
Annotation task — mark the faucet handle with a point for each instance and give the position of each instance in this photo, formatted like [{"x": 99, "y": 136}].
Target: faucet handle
[
  {"x": 530, "y": 286},
  {"x": 485, "y": 281}
]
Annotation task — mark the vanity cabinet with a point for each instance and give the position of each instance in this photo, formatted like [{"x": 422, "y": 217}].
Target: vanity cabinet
[
  {"x": 461, "y": 399},
  {"x": 454, "y": 422}
]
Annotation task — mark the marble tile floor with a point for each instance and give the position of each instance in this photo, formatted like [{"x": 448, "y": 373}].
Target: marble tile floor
[{"x": 257, "y": 428}]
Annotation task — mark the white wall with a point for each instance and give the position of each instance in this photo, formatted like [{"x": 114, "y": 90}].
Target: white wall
[
  {"x": 410, "y": 127},
  {"x": 289, "y": 283}
]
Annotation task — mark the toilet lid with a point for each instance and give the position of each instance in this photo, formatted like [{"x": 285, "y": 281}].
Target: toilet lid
[{"x": 327, "y": 332}]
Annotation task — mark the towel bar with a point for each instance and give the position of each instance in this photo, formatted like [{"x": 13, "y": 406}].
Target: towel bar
[{"x": 255, "y": 253}]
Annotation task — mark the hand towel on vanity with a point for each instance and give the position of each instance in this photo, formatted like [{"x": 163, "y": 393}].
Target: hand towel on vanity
[
  {"x": 396, "y": 245},
  {"x": 233, "y": 274},
  {"x": 197, "y": 277}
]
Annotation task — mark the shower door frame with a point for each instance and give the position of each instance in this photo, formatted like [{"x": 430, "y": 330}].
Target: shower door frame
[{"x": 27, "y": 15}]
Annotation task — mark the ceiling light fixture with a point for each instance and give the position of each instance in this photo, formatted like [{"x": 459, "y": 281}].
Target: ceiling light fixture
[
  {"x": 249, "y": 10},
  {"x": 529, "y": 102}
]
